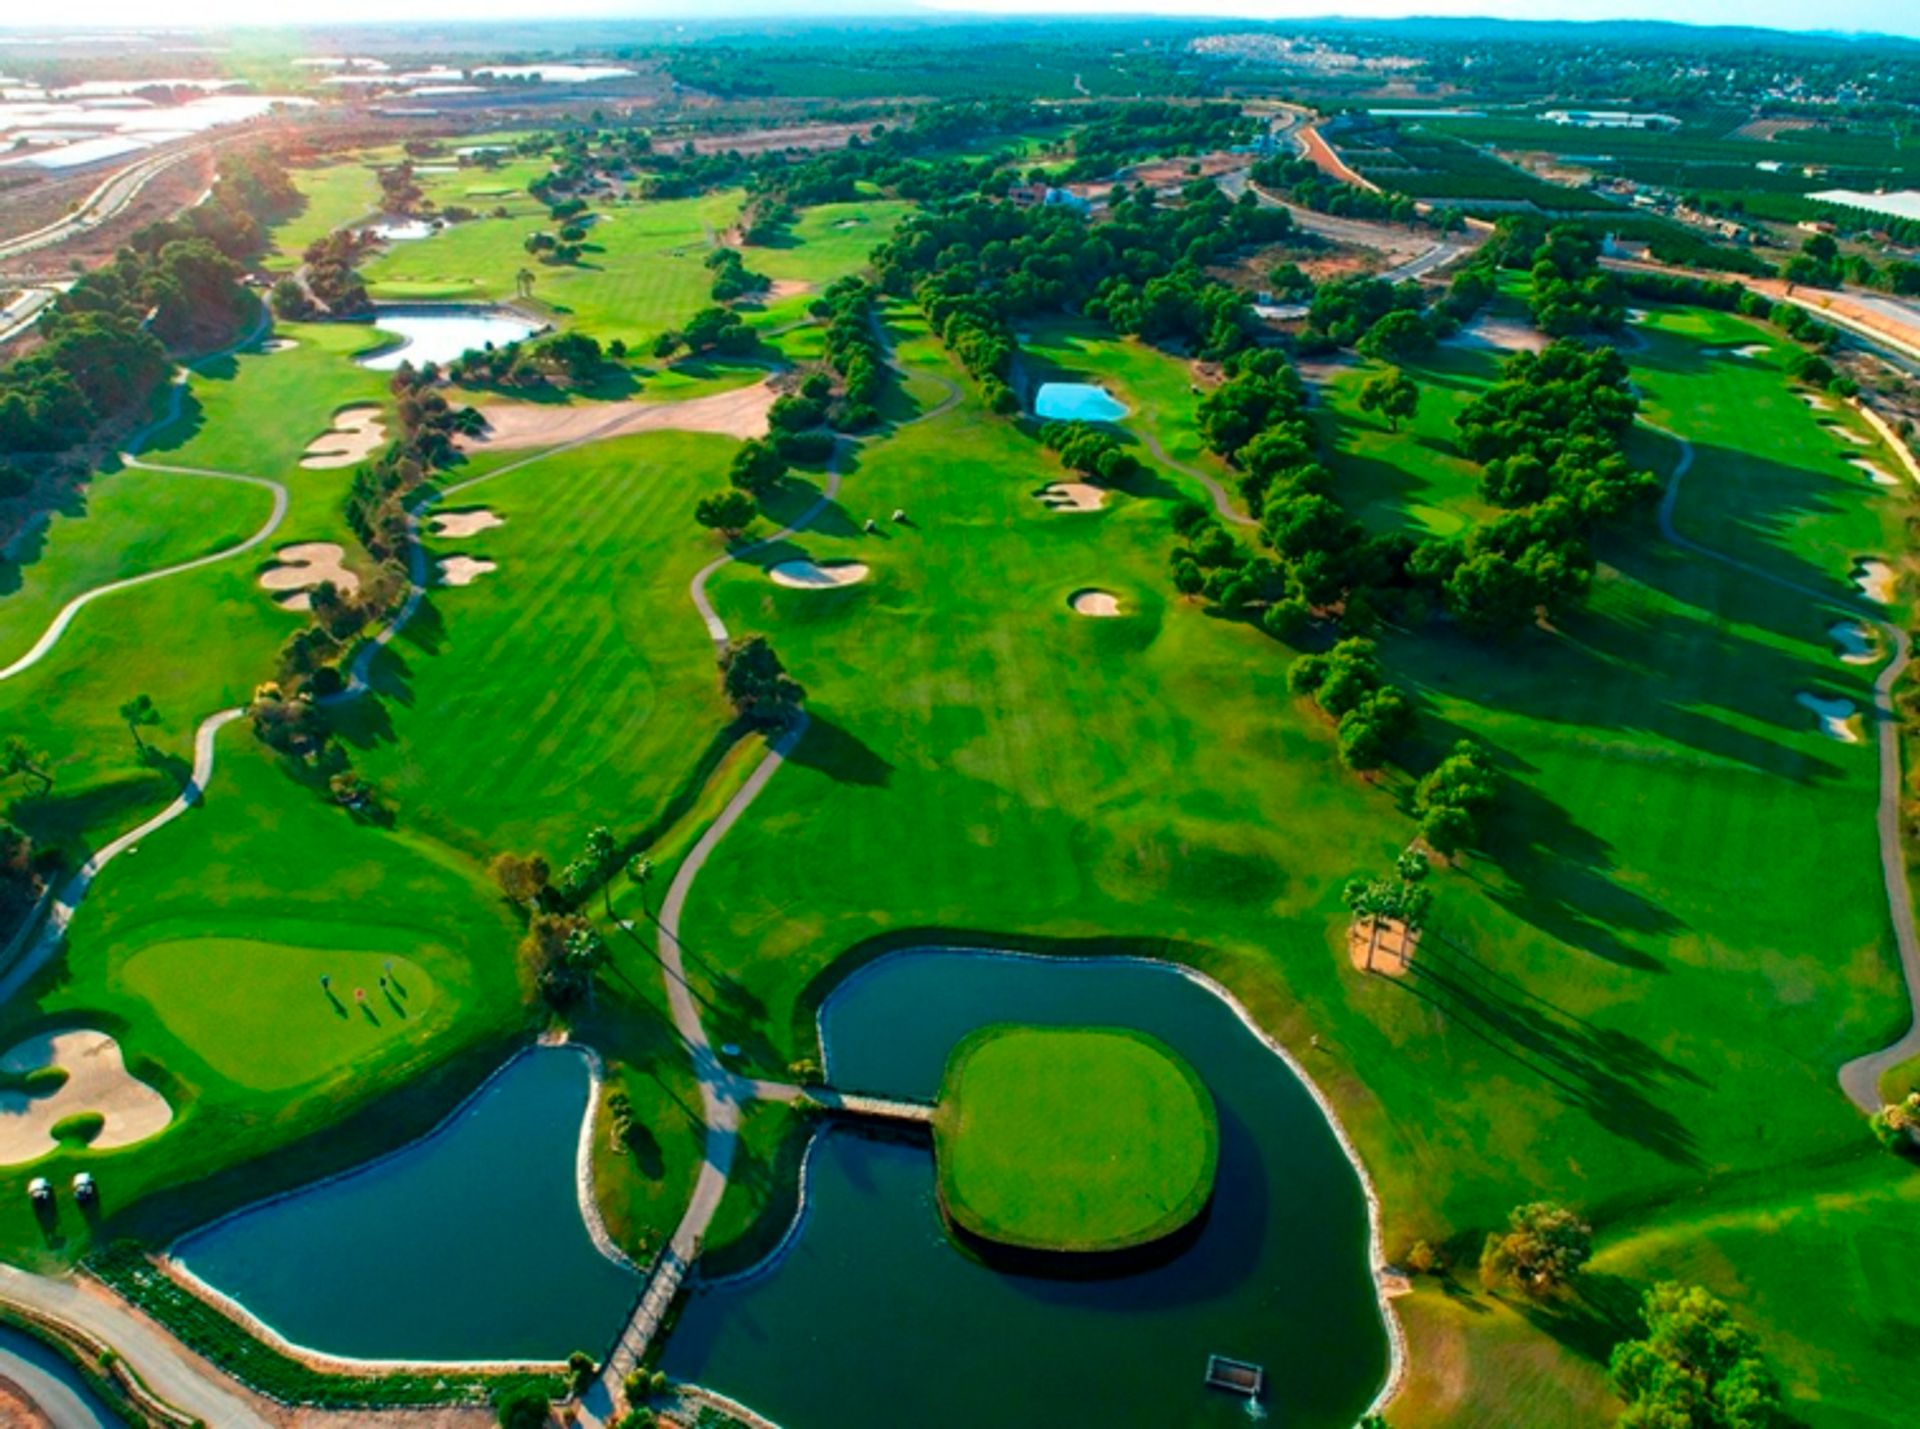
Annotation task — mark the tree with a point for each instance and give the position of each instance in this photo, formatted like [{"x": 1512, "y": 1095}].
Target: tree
[
  {"x": 757, "y": 684},
  {"x": 729, "y": 512},
  {"x": 602, "y": 859},
  {"x": 523, "y": 283},
  {"x": 1897, "y": 1124},
  {"x": 1451, "y": 798},
  {"x": 139, "y": 713},
  {"x": 1697, "y": 1368},
  {"x": 523, "y": 1406},
  {"x": 757, "y": 468},
  {"x": 523, "y": 879},
  {"x": 19, "y": 757},
  {"x": 1400, "y": 334},
  {"x": 640, "y": 870},
  {"x": 1541, "y": 1250},
  {"x": 1392, "y": 394}
]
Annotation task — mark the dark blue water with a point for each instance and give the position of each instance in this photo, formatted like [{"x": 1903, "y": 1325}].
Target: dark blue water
[
  {"x": 466, "y": 1246},
  {"x": 875, "y": 1318}
]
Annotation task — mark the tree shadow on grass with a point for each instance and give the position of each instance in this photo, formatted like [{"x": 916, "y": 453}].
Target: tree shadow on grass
[
  {"x": 1609, "y": 1075},
  {"x": 841, "y": 755},
  {"x": 1598, "y": 1313}
]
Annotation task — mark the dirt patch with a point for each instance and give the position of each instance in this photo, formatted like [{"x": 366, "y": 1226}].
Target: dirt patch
[
  {"x": 1382, "y": 945},
  {"x": 97, "y": 1081},
  {"x": 1071, "y": 496},
  {"x": 459, "y": 524},
  {"x": 1836, "y": 717},
  {"x": 463, "y": 570},
  {"x": 304, "y": 566},
  {"x": 806, "y": 575},
  {"x": 1101, "y": 604},
  {"x": 515, "y": 425},
  {"x": 355, "y": 435},
  {"x": 19, "y": 1411},
  {"x": 1501, "y": 335}
]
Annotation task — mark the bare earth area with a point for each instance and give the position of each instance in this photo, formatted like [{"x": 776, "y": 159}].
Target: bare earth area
[
  {"x": 355, "y": 435},
  {"x": 97, "y": 1081},
  {"x": 17, "y": 1410},
  {"x": 515, "y": 425}
]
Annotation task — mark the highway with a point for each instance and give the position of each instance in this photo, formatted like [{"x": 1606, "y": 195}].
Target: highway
[{"x": 108, "y": 198}]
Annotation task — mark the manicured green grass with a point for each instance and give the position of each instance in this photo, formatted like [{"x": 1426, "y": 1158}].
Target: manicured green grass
[
  {"x": 642, "y": 272},
  {"x": 828, "y": 240},
  {"x": 258, "y": 1013},
  {"x": 337, "y": 195},
  {"x": 1073, "y": 1139}
]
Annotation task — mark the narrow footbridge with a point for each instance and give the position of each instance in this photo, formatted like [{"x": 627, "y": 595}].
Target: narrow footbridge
[{"x": 853, "y": 1104}]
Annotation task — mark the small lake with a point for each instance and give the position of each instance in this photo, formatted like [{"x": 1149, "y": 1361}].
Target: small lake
[
  {"x": 874, "y": 1317},
  {"x": 401, "y": 230},
  {"x": 1076, "y": 402},
  {"x": 440, "y": 333},
  {"x": 54, "y": 1386},
  {"x": 468, "y": 1245}
]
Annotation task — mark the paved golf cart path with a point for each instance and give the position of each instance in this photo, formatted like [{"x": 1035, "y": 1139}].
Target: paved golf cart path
[
  {"x": 1222, "y": 503},
  {"x": 1860, "y": 1078}
]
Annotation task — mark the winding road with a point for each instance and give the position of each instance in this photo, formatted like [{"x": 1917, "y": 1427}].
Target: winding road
[{"x": 1860, "y": 1078}]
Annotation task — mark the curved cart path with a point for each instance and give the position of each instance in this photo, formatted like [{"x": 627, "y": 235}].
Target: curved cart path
[
  {"x": 1222, "y": 503},
  {"x": 1860, "y": 1078}
]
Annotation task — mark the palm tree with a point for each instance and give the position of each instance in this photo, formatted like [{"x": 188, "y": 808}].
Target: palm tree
[
  {"x": 640, "y": 870},
  {"x": 139, "y": 712},
  {"x": 601, "y": 857}
]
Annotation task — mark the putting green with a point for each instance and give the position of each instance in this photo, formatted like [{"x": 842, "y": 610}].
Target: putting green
[
  {"x": 256, "y": 1011},
  {"x": 1073, "y": 1139}
]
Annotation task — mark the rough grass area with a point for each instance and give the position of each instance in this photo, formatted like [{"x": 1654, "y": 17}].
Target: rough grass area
[{"x": 1073, "y": 1139}]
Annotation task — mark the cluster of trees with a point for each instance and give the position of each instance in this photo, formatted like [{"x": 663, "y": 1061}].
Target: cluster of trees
[
  {"x": 1303, "y": 183},
  {"x": 1696, "y": 1367},
  {"x": 1818, "y": 264},
  {"x": 852, "y": 350},
  {"x": 757, "y": 685},
  {"x": 718, "y": 330},
  {"x": 797, "y": 421},
  {"x": 177, "y": 284},
  {"x": 758, "y": 467},
  {"x": 1571, "y": 293},
  {"x": 1091, "y": 451},
  {"x": 566, "y": 359},
  {"x": 21, "y": 878},
  {"x": 1393, "y": 394},
  {"x": 558, "y": 250},
  {"x": 1402, "y": 898},
  {"x": 558, "y": 958},
  {"x": 1453, "y": 797},
  {"x": 330, "y": 283},
  {"x": 1349, "y": 685},
  {"x": 1896, "y": 1125},
  {"x": 1154, "y": 127},
  {"x": 399, "y": 192},
  {"x": 1345, "y": 311},
  {"x": 1543, "y": 1247},
  {"x": 732, "y": 279}
]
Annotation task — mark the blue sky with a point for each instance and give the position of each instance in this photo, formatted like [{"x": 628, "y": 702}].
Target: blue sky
[{"x": 1889, "y": 16}]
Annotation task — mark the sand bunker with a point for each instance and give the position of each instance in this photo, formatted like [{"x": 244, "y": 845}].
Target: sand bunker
[
  {"x": 1749, "y": 350},
  {"x": 278, "y": 344},
  {"x": 1819, "y": 404},
  {"x": 1094, "y": 602},
  {"x": 97, "y": 1081},
  {"x": 304, "y": 566},
  {"x": 1875, "y": 579},
  {"x": 463, "y": 570},
  {"x": 1856, "y": 646},
  {"x": 805, "y": 575},
  {"x": 355, "y": 435},
  {"x": 1637, "y": 315},
  {"x": 1836, "y": 717},
  {"x": 1848, "y": 434},
  {"x": 464, "y": 523},
  {"x": 1881, "y": 476},
  {"x": 787, "y": 288},
  {"x": 1501, "y": 335},
  {"x": 1071, "y": 496},
  {"x": 515, "y": 425}
]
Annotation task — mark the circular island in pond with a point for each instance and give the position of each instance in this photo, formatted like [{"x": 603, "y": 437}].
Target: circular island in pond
[{"x": 1072, "y": 1140}]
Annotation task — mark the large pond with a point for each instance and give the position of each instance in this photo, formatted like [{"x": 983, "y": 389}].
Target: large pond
[
  {"x": 53, "y": 1385},
  {"x": 468, "y": 1245},
  {"x": 430, "y": 333},
  {"x": 1076, "y": 402},
  {"x": 872, "y": 1316}
]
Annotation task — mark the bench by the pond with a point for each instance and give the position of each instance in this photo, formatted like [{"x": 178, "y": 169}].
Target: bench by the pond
[{"x": 1235, "y": 1376}]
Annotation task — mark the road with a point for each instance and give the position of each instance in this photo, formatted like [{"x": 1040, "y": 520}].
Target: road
[
  {"x": 112, "y": 195},
  {"x": 1425, "y": 253},
  {"x": 24, "y": 311},
  {"x": 1860, "y": 1078}
]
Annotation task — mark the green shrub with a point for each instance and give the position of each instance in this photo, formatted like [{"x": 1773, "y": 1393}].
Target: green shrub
[{"x": 81, "y": 1127}]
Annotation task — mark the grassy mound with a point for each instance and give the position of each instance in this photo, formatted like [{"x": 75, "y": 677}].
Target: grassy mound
[{"x": 1073, "y": 1139}]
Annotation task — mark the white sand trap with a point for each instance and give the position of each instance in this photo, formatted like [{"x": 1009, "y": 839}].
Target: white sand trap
[
  {"x": 1836, "y": 717},
  {"x": 355, "y": 435},
  {"x": 464, "y": 523},
  {"x": 1637, "y": 315},
  {"x": 1819, "y": 404},
  {"x": 279, "y": 344},
  {"x": 806, "y": 575},
  {"x": 1501, "y": 335},
  {"x": 463, "y": 570},
  {"x": 1848, "y": 434},
  {"x": 304, "y": 566},
  {"x": 1881, "y": 476},
  {"x": 97, "y": 1081},
  {"x": 1094, "y": 602},
  {"x": 1071, "y": 496},
  {"x": 1748, "y": 350},
  {"x": 515, "y": 425},
  {"x": 1875, "y": 579},
  {"x": 787, "y": 288},
  {"x": 1856, "y": 647}
]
